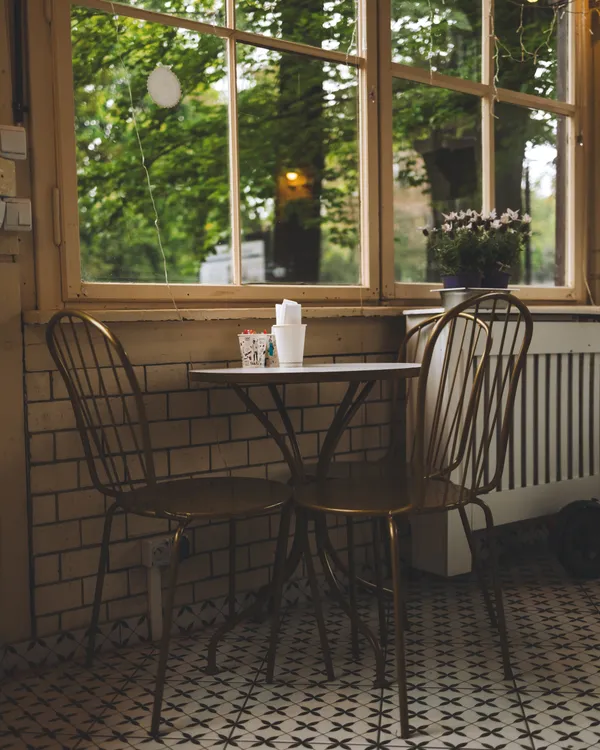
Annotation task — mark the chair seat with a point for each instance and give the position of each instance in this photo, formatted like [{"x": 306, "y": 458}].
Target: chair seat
[
  {"x": 206, "y": 497},
  {"x": 348, "y": 469},
  {"x": 377, "y": 491}
]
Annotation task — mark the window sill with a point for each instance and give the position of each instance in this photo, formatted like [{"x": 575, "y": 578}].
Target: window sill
[{"x": 40, "y": 317}]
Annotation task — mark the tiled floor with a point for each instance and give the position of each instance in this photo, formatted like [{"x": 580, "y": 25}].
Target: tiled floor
[{"x": 458, "y": 698}]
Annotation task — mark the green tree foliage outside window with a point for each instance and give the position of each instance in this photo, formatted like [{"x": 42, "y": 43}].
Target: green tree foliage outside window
[{"x": 297, "y": 115}]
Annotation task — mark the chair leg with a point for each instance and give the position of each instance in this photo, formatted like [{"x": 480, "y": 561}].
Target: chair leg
[
  {"x": 477, "y": 567},
  {"x": 399, "y": 608},
  {"x": 352, "y": 584},
  {"x": 316, "y": 598},
  {"x": 378, "y": 563},
  {"x": 166, "y": 634},
  {"x": 336, "y": 590},
  {"x": 278, "y": 581},
  {"x": 102, "y": 565},
  {"x": 232, "y": 561},
  {"x": 500, "y": 616}
]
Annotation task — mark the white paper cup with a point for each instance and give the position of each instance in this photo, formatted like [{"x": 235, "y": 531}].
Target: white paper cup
[{"x": 290, "y": 344}]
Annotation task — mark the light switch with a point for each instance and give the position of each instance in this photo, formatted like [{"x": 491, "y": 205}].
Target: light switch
[
  {"x": 13, "y": 142},
  {"x": 8, "y": 178},
  {"x": 18, "y": 215}
]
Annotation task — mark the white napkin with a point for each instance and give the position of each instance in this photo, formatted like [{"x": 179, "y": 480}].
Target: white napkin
[{"x": 288, "y": 313}]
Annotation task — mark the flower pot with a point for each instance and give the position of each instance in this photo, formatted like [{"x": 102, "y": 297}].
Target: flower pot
[
  {"x": 462, "y": 280},
  {"x": 496, "y": 279}
]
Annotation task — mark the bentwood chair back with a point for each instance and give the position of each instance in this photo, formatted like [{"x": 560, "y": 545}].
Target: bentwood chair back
[
  {"x": 106, "y": 399},
  {"x": 460, "y": 408}
]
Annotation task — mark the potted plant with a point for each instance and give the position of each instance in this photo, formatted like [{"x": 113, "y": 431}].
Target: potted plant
[
  {"x": 474, "y": 249},
  {"x": 505, "y": 241}
]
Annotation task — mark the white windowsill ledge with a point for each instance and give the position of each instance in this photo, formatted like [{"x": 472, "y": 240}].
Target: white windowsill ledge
[{"x": 40, "y": 317}]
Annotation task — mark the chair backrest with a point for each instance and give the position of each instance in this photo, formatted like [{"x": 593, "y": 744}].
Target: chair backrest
[
  {"x": 107, "y": 401},
  {"x": 461, "y": 406}
]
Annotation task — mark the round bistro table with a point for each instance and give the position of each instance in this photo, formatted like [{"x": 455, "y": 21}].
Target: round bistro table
[{"x": 361, "y": 378}]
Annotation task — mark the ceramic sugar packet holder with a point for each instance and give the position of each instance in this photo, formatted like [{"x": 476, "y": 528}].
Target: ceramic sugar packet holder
[{"x": 258, "y": 349}]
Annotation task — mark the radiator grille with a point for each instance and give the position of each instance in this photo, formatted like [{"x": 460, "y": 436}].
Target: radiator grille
[{"x": 555, "y": 422}]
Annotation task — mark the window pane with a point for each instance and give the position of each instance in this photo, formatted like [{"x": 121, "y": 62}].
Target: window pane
[
  {"x": 298, "y": 167},
  {"x": 532, "y": 48},
  {"x": 330, "y": 24},
  {"x": 438, "y": 35},
  {"x": 531, "y": 172},
  {"x": 206, "y": 11},
  {"x": 437, "y": 168},
  {"x": 185, "y": 150}
]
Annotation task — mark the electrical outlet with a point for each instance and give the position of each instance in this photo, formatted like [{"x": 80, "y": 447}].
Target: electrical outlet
[{"x": 157, "y": 552}]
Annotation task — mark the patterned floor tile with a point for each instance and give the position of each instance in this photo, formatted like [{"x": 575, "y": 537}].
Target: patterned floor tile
[
  {"x": 563, "y": 722},
  {"x": 35, "y": 741},
  {"x": 302, "y": 662},
  {"x": 448, "y": 664},
  {"x": 62, "y": 702},
  {"x": 298, "y": 744},
  {"x": 573, "y": 628},
  {"x": 457, "y": 692},
  {"x": 456, "y": 719},
  {"x": 316, "y": 715},
  {"x": 189, "y": 711},
  {"x": 564, "y": 669},
  {"x": 237, "y": 660},
  {"x": 192, "y": 743}
]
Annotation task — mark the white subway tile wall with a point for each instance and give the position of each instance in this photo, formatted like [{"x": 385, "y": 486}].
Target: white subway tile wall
[{"x": 194, "y": 431}]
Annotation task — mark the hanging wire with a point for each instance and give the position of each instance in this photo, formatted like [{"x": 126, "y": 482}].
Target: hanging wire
[{"x": 143, "y": 161}]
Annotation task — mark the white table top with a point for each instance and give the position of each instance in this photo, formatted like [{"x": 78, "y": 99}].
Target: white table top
[{"x": 345, "y": 372}]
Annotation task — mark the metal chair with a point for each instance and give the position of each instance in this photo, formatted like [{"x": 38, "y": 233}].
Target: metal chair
[
  {"x": 112, "y": 422},
  {"x": 458, "y": 426}
]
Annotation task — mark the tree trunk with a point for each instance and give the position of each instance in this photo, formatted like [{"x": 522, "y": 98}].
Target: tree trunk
[
  {"x": 511, "y": 126},
  {"x": 301, "y": 149},
  {"x": 453, "y": 174}
]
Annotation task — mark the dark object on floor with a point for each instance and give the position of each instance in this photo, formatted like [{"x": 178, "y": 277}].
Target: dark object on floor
[{"x": 576, "y": 538}]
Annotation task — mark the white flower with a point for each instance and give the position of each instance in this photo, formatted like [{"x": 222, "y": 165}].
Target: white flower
[
  {"x": 461, "y": 215},
  {"x": 450, "y": 216},
  {"x": 491, "y": 215},
  {"x": 447, "y": 227},
  {"x": 512, "y": 214},
  {"x": 526, "y": 219},
  {"x": 496, "y": 224},
  {"x": 505, "y": 219}
]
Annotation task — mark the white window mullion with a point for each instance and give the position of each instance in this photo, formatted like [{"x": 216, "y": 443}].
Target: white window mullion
[
  {"x": 369, "y": 96},
  {"x": 234, "y": 158},
  {"x": 488, "y": 187},
  {"x": 386, "y": 148},
  {"x": 487, "y": 106}
]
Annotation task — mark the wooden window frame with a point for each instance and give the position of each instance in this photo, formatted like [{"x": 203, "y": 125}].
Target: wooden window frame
[
  {"x": 574, "y": 109},
  {"x": 54, "y": 188}
]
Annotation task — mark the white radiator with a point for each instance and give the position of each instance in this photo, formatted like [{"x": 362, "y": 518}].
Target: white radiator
[{"x": 553, "y": 456}]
